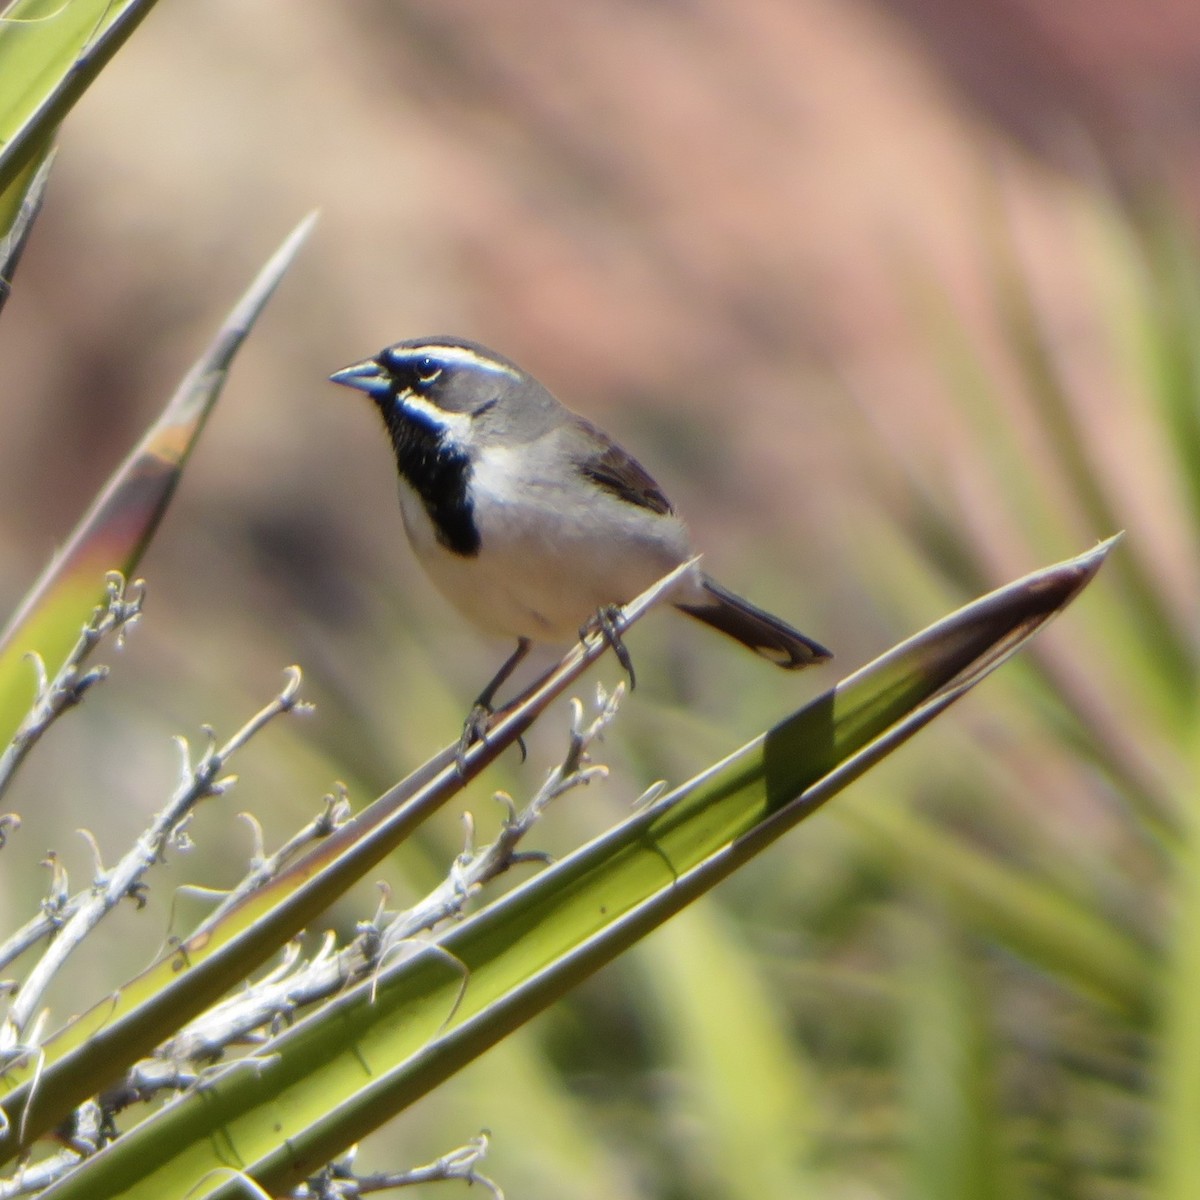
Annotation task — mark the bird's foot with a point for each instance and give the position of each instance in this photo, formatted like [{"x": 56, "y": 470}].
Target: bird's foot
[
  {"x": 607, "y": 622},
  {"x": 475, "y": 729}
]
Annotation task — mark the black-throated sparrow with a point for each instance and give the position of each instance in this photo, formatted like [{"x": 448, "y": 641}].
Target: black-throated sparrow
[{"x": 529, "y": 520}]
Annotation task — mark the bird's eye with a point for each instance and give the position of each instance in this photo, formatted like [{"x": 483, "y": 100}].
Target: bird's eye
[{"x": 427, "y": 370}]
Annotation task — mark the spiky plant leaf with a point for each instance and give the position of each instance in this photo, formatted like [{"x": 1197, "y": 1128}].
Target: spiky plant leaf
[
  {"x": 117, "y": 528},
  {"x": 383, "y": 1044},
  {"x": 50, "y": 51}
]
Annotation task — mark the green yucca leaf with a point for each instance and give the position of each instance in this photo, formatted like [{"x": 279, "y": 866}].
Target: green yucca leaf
[
  {"x": 93, "y": 1049},
  {"x": 118, "y": 527},
  {"x": 19, "y": 206},
  {"x": 726, "y": 1040},
  {"x": 1168, "y": 322},
  {"x": 50, "y": 51},
  {"x": 379, "y": 1046},
  {"x": 1028, "y": 915},
  {"x": 1175, "y": 1166},
  {"x": 1162, "y": 643},
  {"x": 955, "y": 1130}
]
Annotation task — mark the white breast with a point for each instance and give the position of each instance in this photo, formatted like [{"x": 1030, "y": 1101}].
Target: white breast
[{"x": 554, "y": 547}]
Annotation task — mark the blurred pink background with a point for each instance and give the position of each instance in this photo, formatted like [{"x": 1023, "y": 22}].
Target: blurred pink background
[
  {"x": 714, "y": 229},
  {"x": 696, "y": 222}
]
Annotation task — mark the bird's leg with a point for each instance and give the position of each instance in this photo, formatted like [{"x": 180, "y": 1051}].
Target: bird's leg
[
  {"x": 476, "y": 725},
  {"x": 509, "y": 666},
  {"x": 607, "y": 621}
]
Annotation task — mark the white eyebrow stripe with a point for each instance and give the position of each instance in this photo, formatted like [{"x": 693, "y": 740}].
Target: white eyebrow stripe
[{"x": 459, "y": 356}]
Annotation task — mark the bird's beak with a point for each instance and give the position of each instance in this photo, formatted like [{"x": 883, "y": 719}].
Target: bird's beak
[{"x": 366, "y": 376}]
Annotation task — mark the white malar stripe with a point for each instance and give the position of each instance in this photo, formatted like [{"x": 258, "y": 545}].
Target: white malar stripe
[{"x": 458, "y": 424}]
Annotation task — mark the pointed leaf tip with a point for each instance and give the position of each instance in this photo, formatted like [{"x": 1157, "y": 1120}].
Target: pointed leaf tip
[{"x": 1068, "y": 578}]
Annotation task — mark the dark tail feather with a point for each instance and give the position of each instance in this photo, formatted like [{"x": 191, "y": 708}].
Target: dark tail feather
[{"x": 761, "y": 632}]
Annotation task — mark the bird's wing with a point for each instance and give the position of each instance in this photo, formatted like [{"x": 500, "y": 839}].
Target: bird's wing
[{"x": 618, "y": 472}]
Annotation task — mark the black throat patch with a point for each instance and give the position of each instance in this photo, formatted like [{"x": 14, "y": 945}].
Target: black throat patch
[{"x": 438, "y": 473}]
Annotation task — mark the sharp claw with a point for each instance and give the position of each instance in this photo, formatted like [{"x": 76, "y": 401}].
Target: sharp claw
[
  {"x": 474, "y": 730},
  {"x": 607, "y": 621}
]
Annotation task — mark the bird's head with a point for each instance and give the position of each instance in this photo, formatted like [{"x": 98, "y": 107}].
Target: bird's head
[{"x": 455, "y": 389}]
